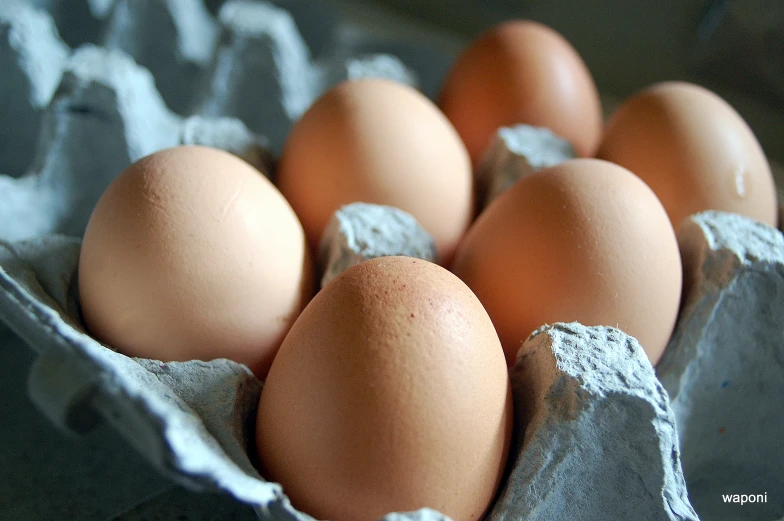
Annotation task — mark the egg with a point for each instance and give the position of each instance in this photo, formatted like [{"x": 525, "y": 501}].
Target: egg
[
  {"x": 693, "y": 150},
  {"x": 517, "y": 72},
  {"x": 377, "y": 141},
  {"x": 191, "y": 253},
  {"x": 389, "y": 394},
  {"x": 586, "y": 241}
]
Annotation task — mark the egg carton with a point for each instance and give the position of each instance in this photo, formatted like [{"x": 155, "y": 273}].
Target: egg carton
[{"x": 606, "y": 437}]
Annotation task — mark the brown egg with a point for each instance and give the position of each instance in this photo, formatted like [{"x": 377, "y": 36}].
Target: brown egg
[
  {"x": 191, "y": 253},
  {"x": 522, "y": 72},
  {"x": 693, "y": 150},
  {"x": 583, "y": 241},
  {"x": 390, "y": 393},
  {"x": 377, "y": 141}
]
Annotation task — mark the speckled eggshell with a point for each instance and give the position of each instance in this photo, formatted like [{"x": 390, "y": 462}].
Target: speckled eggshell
[
  {"x": 584, "y": 241},
  {"x": 381, "y": 142},
  {"x": 389, "y": 394},
  {"x": 191, "y": 253},
  {"x": 694, "y": 150},
  {"x": 516, "y": 72}
]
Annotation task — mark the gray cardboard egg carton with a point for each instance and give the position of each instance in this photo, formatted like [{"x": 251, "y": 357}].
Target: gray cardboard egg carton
[{"x": 606, "y": 438}]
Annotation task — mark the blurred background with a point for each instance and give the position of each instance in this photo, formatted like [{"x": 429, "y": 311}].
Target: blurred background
[{"x": 734, "y": 47}]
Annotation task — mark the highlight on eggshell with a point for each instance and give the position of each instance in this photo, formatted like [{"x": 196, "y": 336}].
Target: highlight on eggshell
[
  {"x": 694, "y": 150},
  {"x": 389, "y": 394},
  {"x": 381, "y": 142},
  {"x": 191, "y": 253},
  {"x": 585, "y": 240},
  {"x": 521, "y": 71}
]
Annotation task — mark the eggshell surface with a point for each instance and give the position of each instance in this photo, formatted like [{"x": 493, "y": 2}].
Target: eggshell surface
[
  {"x": 694, "y": 150},
  {"x": 377, "y": 141},
  {"x": 522, "y": 72},
  {"x": 389, "y": 394},
  {"x": 191, "y": 253},
  {"x": 585, "y": 241}
]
